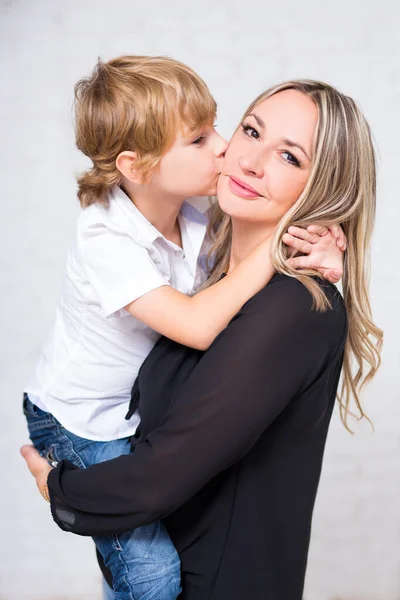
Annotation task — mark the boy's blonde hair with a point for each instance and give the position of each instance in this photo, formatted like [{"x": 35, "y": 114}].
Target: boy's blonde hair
[{"x": 136, "y": 103}]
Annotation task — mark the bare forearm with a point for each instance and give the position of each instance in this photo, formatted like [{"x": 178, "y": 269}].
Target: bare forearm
[
  {"x": 215, "y": 306},
  {"x": 196, "y": 321}
]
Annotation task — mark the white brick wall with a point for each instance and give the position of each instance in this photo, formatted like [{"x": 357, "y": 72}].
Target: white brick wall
[{"x": 239, "y": 48}]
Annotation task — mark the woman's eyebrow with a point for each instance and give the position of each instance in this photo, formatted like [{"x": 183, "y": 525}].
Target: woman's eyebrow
[
  {"x": 258, "y": 119},
  {"x": 286, "y": 141},
  {"x": 293, "y": 144}
]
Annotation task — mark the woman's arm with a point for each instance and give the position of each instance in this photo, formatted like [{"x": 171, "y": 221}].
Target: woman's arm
[{"x": 268, "y": 355}]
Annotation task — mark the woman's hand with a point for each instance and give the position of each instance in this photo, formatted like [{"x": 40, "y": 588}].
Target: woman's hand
[
  {"x": 39, "y": 467},
  {"x": 322, "y": 249}
]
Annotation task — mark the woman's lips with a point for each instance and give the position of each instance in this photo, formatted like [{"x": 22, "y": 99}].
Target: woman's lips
[{"x": 241, "y": 189}]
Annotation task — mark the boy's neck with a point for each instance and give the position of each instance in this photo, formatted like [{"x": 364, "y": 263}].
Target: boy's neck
[
  {"x": 245, "y": 238},
  {"x": 161, "y": 210}
]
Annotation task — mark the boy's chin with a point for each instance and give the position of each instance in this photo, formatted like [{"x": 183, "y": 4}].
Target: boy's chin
[{"x": 210, "y": 192}]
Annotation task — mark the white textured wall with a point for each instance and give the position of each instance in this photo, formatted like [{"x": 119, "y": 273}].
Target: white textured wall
[{"x": 239, "y": 48}]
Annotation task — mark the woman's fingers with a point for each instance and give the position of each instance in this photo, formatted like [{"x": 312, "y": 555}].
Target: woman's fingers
[
  {"x": 36, "y": 464},
  {"x": 39, "y": 467},
  {"x": 298, "y": 244}
]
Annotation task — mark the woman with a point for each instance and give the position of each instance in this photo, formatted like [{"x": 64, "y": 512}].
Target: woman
[{"x": 232, "y": 439}]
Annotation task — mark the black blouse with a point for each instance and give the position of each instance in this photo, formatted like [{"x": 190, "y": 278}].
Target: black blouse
[{"x": 230, "y": 449}]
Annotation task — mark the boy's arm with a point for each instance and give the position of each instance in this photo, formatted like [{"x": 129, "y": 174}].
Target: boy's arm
[{"x": 196, "y": 321}]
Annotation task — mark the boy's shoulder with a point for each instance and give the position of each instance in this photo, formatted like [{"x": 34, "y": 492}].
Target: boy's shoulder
[
  {"x": 99, "y": 218},
  {"x": 115, "y": 215}
]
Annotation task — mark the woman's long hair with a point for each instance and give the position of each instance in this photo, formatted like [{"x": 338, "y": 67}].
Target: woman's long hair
[{"x": 341, "y": 189}]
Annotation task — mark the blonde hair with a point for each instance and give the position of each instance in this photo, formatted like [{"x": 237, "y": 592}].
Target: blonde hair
[
  {"x": 136, "y": 103},
  {"x": 341, "y": 189}
]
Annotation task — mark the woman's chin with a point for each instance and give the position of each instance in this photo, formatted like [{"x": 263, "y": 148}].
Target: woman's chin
[{"x": 235, "y": 207}]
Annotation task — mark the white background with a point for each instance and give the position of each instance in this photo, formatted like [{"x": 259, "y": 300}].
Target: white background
[{"x": 240, "y": 48}]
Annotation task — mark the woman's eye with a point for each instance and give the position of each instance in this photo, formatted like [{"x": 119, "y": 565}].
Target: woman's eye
[
  {"x": 198, "y": 140},
  {"x": 290, "y": 158},
  {"x": 250, "y": 131}
]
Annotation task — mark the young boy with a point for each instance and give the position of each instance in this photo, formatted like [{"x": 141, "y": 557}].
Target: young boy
[{"x": 147, "y": 126}]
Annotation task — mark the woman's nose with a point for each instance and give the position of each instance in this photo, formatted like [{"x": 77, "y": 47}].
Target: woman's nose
[{"x": 252, "y": 163}]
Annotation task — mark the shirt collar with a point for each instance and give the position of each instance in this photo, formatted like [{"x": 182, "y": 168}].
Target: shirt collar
[
  {"x": 135, "y": 218},
  {"x": 194, "y": 211}
]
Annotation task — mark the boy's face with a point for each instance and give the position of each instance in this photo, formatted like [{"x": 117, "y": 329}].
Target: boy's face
[{"x": 192, "y": 165}]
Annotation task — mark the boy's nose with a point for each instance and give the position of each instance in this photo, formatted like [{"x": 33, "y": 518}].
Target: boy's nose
[{"x": 222, "y": 145}]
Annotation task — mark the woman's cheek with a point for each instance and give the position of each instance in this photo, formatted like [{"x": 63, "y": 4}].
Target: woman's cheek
[{"x": 286, "y": 192}]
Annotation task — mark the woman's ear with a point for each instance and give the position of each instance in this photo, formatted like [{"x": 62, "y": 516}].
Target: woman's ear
[{"x": 126, "y": 165}]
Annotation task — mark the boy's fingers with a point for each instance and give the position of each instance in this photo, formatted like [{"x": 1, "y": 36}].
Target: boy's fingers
[
  {"x": 335, "y": 231},
  {"x": 338, "y": 234},
  {"x": 328, "y": 274},
  {"x": 303, "y": 234},
  {"x": 298, "y": 244},
  {"x": 300, "y": 262},
  {"x": 320, "y": 230},
  {"x": 342, "y": 238},
  {"x": 36, "y": 464},
  {"x": 305, "y": 262},
  {"x": 333, "y": 275}
]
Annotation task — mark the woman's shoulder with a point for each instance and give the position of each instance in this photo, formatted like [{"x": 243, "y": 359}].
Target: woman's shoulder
[
  {"x": 287, "y": 295},
  {"x": 283, "y": 284}
]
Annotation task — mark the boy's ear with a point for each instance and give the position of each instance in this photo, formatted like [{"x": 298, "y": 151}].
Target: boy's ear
[{"x": 126, "y": 165}]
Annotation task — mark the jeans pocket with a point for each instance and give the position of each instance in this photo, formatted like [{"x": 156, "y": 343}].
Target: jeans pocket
[
  {"x": 116, "y": 543},
  {"x": 28, "y": 408},
  {"x": 52, "y": 457},
  {"x": 43, "y": 428}
]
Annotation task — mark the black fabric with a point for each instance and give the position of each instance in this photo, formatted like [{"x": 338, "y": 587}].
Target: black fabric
[{"x": 230, "y": 449}]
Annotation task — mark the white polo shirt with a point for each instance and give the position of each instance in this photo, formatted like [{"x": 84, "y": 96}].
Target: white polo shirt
[{"x": 92, "y": 357}]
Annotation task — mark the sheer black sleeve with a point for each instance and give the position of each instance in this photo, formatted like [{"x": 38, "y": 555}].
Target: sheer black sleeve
[{"x": 271, "y": 351}]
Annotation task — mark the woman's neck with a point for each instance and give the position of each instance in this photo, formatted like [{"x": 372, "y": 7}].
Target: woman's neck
[{"x": 245, "y": 237}]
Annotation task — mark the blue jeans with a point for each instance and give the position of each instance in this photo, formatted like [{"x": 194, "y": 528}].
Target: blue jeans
[
  {"x": 143, "y": 562},
  {"x": 108, "y": 593}
]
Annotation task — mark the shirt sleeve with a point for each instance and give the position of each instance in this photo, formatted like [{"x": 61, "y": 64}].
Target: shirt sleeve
[
  {"x": 118, "y": 268},
  {"x": 271, "y": 351}
]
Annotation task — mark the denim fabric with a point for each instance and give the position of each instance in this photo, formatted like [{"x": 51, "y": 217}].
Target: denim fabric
[
  {"x": 108, "y": 593},
  {"x": 143, "y": 562}
]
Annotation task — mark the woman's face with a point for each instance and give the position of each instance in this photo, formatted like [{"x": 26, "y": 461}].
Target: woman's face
[{"x": 268, "y": 160}]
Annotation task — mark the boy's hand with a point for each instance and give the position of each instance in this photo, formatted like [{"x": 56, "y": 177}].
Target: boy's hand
[
  {"x": 39, "y": 467},
  {"x": 322, "y": 248}
]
